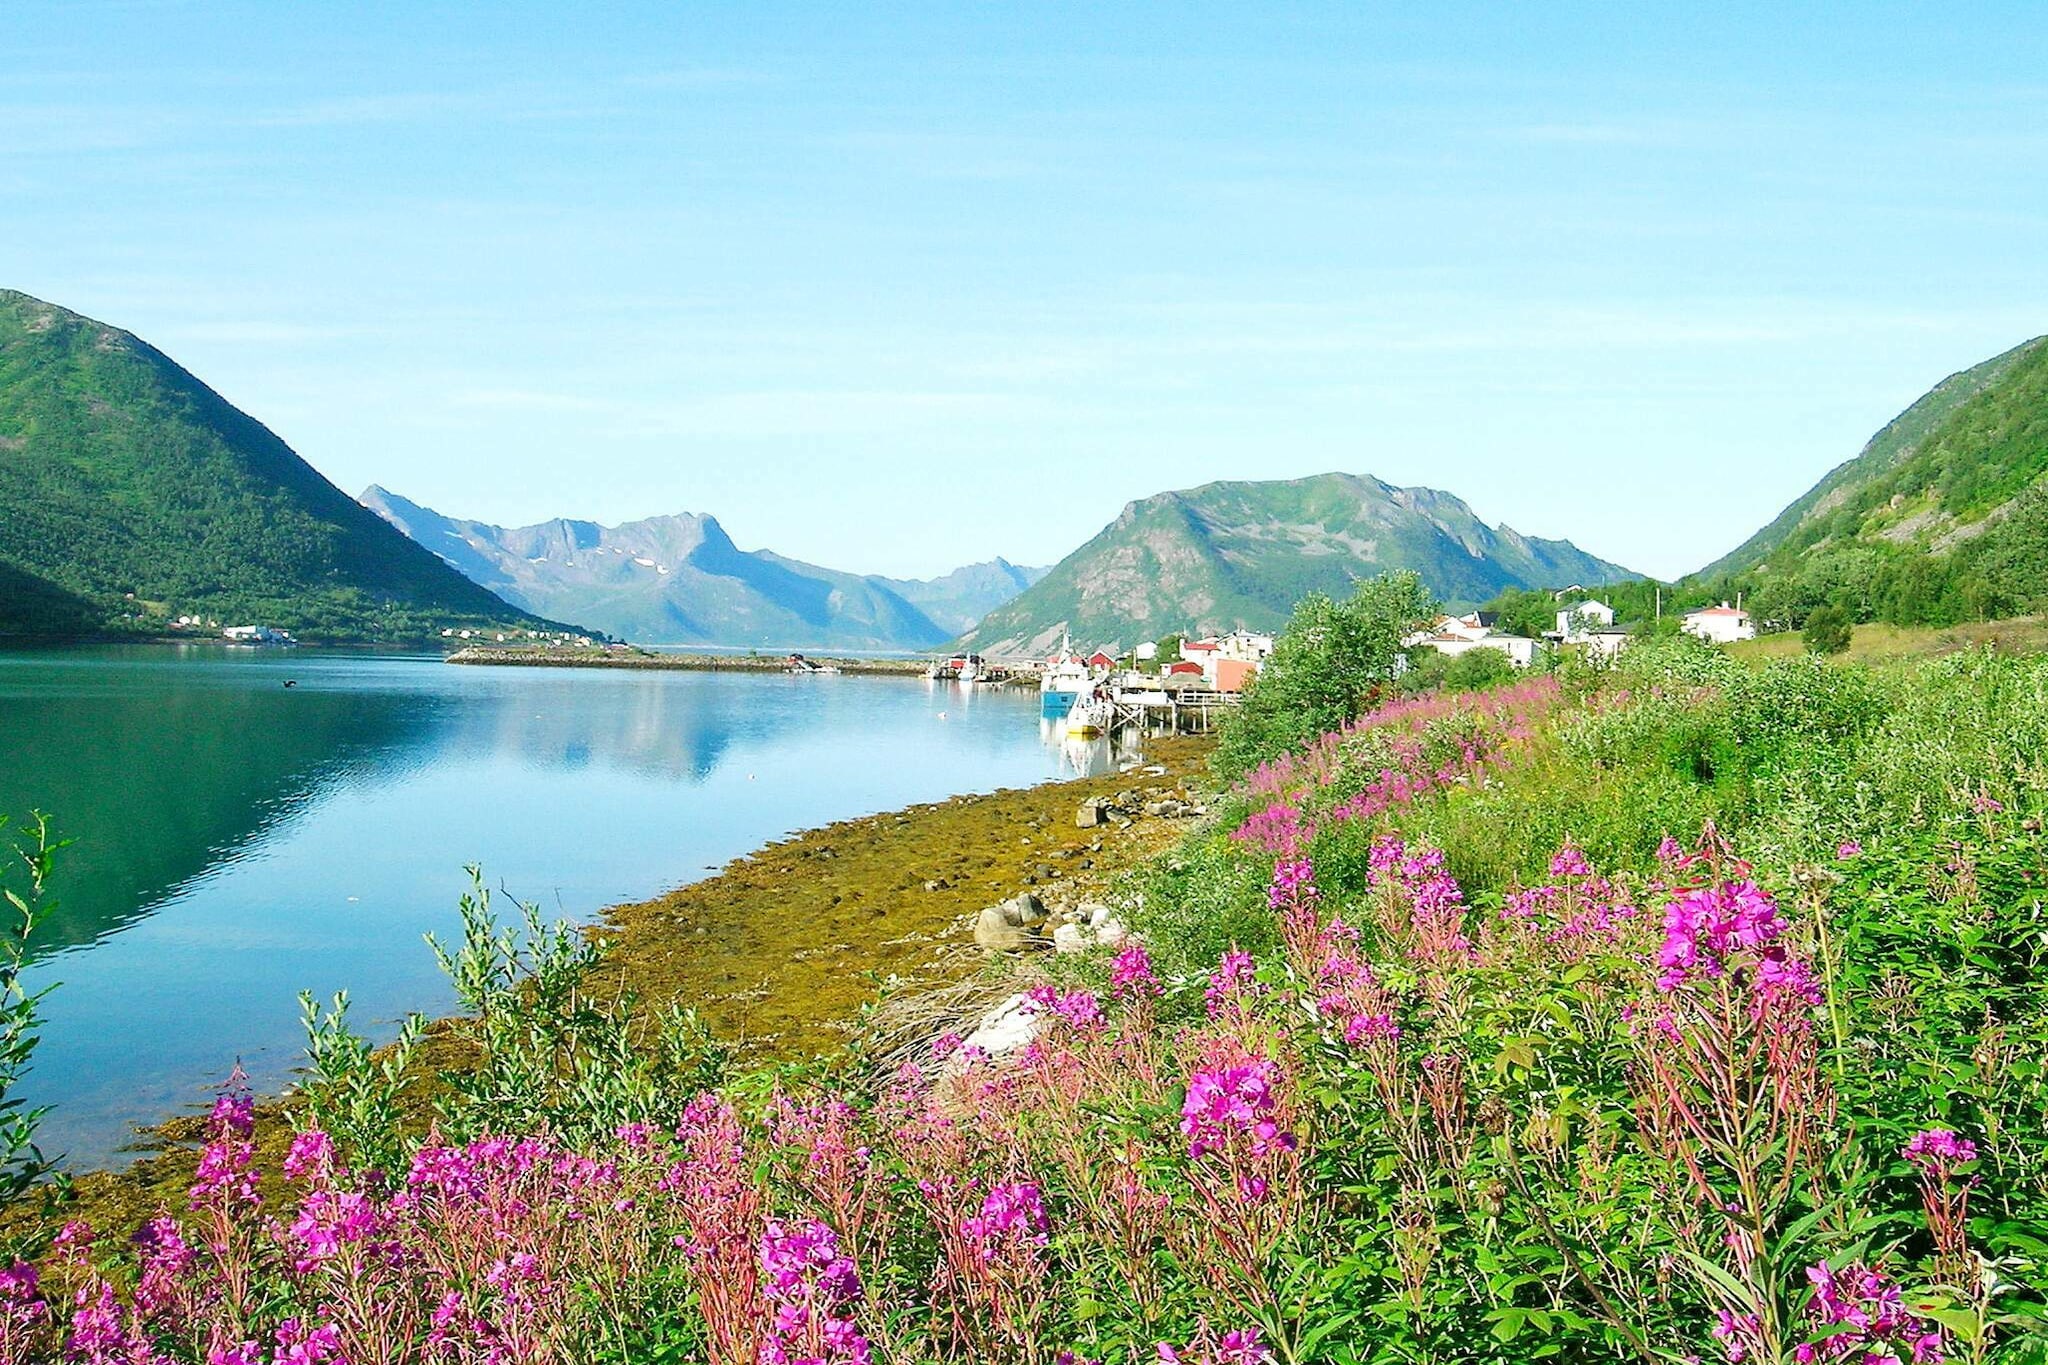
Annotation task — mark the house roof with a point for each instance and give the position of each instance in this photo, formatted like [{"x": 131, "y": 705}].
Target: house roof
[
  {"x": 1205, "y": 645},
  {"x": 1717, "y": 611}
]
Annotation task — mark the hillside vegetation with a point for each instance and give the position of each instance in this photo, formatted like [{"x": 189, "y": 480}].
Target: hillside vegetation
[
  {"x": 1942, "y": 518},
  {"x": 1240, "y": 554},
  {"x": 131, "y": 493}
]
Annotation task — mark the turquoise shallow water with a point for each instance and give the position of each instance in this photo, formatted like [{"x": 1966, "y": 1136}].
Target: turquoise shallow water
[{"x": 240, "y": 841}]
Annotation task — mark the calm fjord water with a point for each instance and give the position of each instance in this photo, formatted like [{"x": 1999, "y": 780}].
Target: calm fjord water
[{"x": 240, "y": 841}]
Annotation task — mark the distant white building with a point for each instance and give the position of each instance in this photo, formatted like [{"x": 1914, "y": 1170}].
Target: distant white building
[
  {"x": 1246, "y": 646},
  {"x": 1520, "y": 649},
  {"x": 1607, "y": 642},
  {"x": 1146, "y": 652},
  {"x": 1580, "y": 619},
  {"x": 1723, "y": 624}
]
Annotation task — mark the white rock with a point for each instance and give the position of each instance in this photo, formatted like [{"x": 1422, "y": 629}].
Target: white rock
[
  {"x": 1112, "y": 934},
  {"x": 1069, "y": 938},
  {"x": 1007, "y": 1027}
]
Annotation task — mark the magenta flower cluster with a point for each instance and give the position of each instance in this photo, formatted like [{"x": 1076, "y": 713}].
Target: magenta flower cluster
[
  {"x": 1234, "y": 1107},
  {"x": 1939, "y": 1150},
  {"x": 1012, "y": 1223},
  {"x": 1868, "y": 1319},
  {"x": 1707, "y": 928},
  {"x": 812, "y": 1288}
]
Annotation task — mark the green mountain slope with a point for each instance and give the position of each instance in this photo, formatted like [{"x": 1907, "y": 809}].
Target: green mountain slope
[
  {"x": 680, "y": 580},
  {"x": 131, "y": 493},
  {"x": 1943, "y": 516},
  {"x": 1242, "y": 554},
  {"x": 1918, "y": 448}
]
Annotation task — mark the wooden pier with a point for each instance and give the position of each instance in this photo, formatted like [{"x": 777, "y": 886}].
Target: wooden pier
[{"x": 1183, "y": 710}]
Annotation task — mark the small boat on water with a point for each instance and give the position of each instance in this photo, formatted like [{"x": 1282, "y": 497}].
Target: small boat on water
[{"x": 1091, "y": 716}]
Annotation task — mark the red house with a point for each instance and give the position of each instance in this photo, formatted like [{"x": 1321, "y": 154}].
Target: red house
[
  {"x": 1183, "y": 668},
  {"x": 1100, "y": 660}
]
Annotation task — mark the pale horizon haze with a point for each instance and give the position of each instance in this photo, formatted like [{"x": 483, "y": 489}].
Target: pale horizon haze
[{"x": 898, "y": 288}]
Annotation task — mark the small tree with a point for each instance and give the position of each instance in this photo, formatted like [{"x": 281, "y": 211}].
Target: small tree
[
  {"x": 1325, "y": 666},
  {"x": 1827, "y": 630}
]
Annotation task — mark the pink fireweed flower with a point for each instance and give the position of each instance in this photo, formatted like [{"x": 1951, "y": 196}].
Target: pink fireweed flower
[
  {"x": 1741, "y": 1335},
  {"x": 162, "y": 1257},
  {"x": 1234, "y": 979},
  {"x": 1131, "y": 975},
  {"x": 328, "y": 1221},
  {"x": 1787, "y": 978},
  {"x": 1294, "y": 883},
  {"x": 1278, "y": 829},
  {"x": 312, "y": 1155},
  {"x": 801, "y": 1262},
  {"x": 1366, "y": 1028},
  {"x": 1012, "y": 1221},
  {"x": 1939, "y": 1150},
  {"x": 1986, "y": 804},
  {"x": 226, "y": 1174},
  {"x": 234, "y": 1109},
  {"x": 20, "y": 1298},
  {"x": 1569, "y": 861},
  {"x": 1705, "y": 927},
  {"x": 1848, "y": 849},
  {"x": 1079, "y": 1009},
  {"x": 101, "y": 1333},
  {"x": 74, "y": 1242},
  {"x": 1242, "y": 1347},
  {"x": 1670, "y": 852},
  {"x": 1870, "y": 1318},
  {"x": 1234, "y": 1106},
  {"x": 298, "y": 1344}
]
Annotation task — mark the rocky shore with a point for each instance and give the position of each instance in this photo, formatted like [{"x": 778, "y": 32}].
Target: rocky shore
[{"x": 781, "y": 947}]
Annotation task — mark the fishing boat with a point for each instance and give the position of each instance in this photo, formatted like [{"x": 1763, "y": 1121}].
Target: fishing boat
[{"x": 1065, "y": 679}]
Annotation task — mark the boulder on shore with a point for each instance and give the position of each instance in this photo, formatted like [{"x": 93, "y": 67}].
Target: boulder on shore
[{"x": 1011, "y": 924}]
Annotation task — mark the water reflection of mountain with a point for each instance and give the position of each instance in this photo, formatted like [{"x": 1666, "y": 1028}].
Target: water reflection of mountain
[
  {"x": 157, "y": 785},
  {"x": 669, "y": 728}
]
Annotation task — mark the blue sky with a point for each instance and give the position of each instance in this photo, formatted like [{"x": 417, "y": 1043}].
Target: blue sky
[{"x": 896, "y": 287}]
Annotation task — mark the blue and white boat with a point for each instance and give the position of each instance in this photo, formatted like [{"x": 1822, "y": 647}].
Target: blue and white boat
[{"x": 1064, "y": 679}]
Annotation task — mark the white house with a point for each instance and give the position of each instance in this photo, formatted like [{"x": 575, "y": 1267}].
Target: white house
[
  {"x": 1520, "y": 649},
  {"x": 1723, "y": 624},
  {"x": 1146, "y": 652},
  {"x": 1577, "y": 621},
  {"x": 1246, "y": 646},
  {"x": 1607, "y": 642}
]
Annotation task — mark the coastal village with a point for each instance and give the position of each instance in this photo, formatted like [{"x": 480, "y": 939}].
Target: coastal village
[{"x": 1178, "y": 682}]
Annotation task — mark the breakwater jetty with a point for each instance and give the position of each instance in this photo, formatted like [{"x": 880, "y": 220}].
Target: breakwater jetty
[{"x": 629, "y": 659}]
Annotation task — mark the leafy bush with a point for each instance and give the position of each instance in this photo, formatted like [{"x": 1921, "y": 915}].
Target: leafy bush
[
  {"x": 1827, "y": 631},
  {"x": 1325, "y": 667}
]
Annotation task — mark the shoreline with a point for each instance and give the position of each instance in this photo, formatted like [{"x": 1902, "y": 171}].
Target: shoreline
[{"x": 779, "y": 950}]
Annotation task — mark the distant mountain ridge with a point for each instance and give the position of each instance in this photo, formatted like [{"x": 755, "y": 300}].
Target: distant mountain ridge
[
  {"x": 680, "y": 580},
  {"x": 131, "y": 493},
  {"x": 1240, "y": 554}
]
